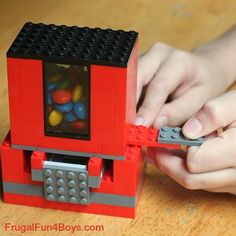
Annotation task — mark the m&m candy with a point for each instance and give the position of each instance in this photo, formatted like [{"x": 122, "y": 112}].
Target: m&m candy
[
  {"x": 70, "y": 117},
  {"x": 77, "y": 93},
  {"x": 78, "y": 125},
  {"x": 79, "y": 110},
  {"x": 51, "y": 86},
  {"x": 55, "y": 118},
  {"x": 65, "y": 107},
  {"x": 61, "y": 96},
  {"x": 49, "y": 98},
  {"x": 63, "y": 84}
]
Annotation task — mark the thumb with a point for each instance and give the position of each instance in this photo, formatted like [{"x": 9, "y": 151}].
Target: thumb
[{"x": 215, "y": 114}]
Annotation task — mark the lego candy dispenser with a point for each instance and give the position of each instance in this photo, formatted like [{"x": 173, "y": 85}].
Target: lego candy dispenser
[
  {"x": 72, "y": 96},
  {"x": 72, "y": 145}
]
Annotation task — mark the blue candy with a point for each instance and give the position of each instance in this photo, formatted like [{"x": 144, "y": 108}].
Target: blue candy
[
  {"x": 65, "y": 107},
  {"x": 70, "y": 117},
  {"x": 80, "y": 110},
  {"x": 52, "y": 86},
  {"x": 49, "y": 98}
]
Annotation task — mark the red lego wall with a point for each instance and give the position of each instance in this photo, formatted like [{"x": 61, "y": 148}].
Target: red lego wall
[
  {"x": 17, "y": 164},
  {"x": 112, "y": 103}
]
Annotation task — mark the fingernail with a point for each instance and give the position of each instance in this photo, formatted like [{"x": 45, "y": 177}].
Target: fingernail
[
  {"x": 139, "y": 120},
  {"x": 161, "y": 121},
  {"x": 193, "y": 128}
]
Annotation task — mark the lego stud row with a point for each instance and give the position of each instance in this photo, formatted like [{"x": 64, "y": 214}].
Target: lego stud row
[{"x": 174, "y": 135}]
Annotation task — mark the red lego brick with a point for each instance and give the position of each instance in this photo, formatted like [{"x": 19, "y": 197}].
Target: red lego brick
[
  {"x": 37, "y": 160},
  {"x": 14, "y": 90},
  {"x": 14, "y": 199},
  {"x": 128, "y": 211},
  {"x": 125, "y": 99},
  {"x": 119, "y": 143},
  {"x": 24, "y": 116},
  {"x": 127, "y": 173},
  {"x": 92, "y": 208},
  {"x": 141, "y": 135},
  {"x": 15, "y": 164},
  {"x": 102, "y": 80},
  {"x": 125, "y": 89},
  {"x": 120, "y": 109},
  {"x": 104, "y": 107},
  {"x": 17, "y": 124},
  {"x": 66, "y": 144},
  {"x": 95, "y": 166},
  {"x": 104, "y": 120},
  {"x": 102, "y": 111},
  {"x": 121, "y": 93}
]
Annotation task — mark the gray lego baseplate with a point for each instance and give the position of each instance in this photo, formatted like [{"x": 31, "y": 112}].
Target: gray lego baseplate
[
  {"x": 67, "y": 183},
  {"x": 174, "y": 135}
]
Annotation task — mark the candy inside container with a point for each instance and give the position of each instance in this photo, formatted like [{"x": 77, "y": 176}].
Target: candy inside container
[{"x": 67, "y": 96}]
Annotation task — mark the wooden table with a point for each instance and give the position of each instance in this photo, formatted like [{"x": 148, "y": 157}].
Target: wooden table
[{"x": 165, "y": 208}]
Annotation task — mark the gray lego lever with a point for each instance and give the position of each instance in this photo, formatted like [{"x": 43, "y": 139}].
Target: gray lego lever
[{"x": 174, "y": 135}]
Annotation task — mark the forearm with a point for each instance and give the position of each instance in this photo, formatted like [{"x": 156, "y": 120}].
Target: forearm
[{"x": 223, "y": 52}]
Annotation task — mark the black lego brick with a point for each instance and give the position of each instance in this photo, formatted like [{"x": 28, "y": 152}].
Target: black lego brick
[{"x": 73, "y": 44}]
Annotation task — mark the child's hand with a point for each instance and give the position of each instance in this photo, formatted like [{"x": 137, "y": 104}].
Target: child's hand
[
  {"x": 212, "y": 166},
  {"x": 185, "y": 80}
]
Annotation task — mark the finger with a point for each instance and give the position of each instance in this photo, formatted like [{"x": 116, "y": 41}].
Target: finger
[
  {"x": 153, "y": 153},
  {"x": 169, "y": 76},
  {"x": 149, "y": 63},
  {"x": 219, "y": 112},
  {"x": 232, "y": 125},
  {"x": 211, "y": 136},
  {"x": 214, "y": 154},
  {"x": 175, "y": 167},
  {"x": 227, "y": 189},
  {"x": 181, "y": 109}
]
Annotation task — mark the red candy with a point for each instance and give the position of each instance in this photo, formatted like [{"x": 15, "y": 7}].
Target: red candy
[
  {"x": 61, "y": 96},
  {"x": 78, "y": 125}
]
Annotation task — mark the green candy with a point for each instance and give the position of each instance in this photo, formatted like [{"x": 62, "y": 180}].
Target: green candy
[{"x": 63, "y": 84}]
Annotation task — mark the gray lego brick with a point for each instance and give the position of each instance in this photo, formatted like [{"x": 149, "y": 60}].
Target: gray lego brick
[
  {"x": 100, "y": 198},
  {"x": 174, "y": 135},
  {"x": 66, "y": 183},
  {"x": 72, "y": 153},
  {"x": 25, "y": 189},
  {"x": 37, "y": 175},
  {"x": 112, "y": 199},
  {"x": 95, "y": 181}
]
